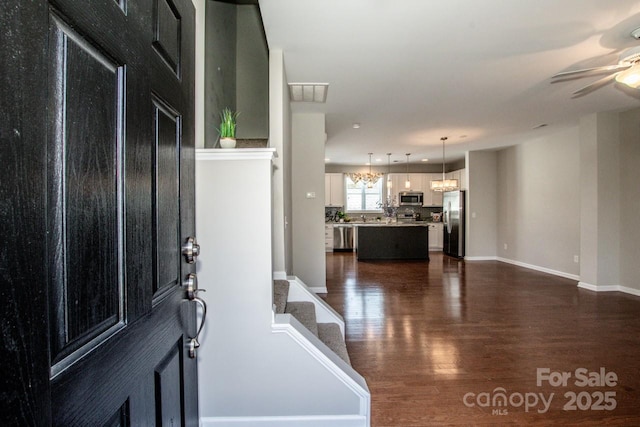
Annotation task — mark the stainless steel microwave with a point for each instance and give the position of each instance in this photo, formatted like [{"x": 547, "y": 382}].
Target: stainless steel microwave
[{"x": 411, "y": 198}]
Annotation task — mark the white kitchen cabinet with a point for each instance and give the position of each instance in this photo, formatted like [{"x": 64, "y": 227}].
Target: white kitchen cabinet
[
  {"x": 436, "y": 237},
  {"x": 395, "y": 185},
  {"x": 431, "y": 198},
  {"x": 436, "y": 197},
  {"x": 454, "y": 175},
  {"x": 422, "y": 182},
  {"x": 398, "y": 181},
  {"x": 417, "y": 182},
  {"x": 461, "y": 176},
  {"x": 463, "y": 179},
  {"x": 333, "y": 189},
  {"x": 328, "y": 237}
]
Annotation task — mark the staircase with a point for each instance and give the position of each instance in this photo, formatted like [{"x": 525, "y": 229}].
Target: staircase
[{"x": 330, "y": 333}]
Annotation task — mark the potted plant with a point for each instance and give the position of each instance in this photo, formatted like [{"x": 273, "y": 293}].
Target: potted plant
[{"x": 227, "y": 128}]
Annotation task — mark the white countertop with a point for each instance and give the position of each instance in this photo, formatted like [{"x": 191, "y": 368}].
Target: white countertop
[{"x": 384, "y": 224}]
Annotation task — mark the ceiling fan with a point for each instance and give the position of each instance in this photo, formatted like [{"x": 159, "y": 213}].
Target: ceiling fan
[{"x": 626, "y": 71}]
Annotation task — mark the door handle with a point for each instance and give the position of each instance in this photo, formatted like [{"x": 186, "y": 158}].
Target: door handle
[
  {"x": 191, "y": 286},
  {"x": 191, "y": 250},
  {"x": 193, "y": 342}
]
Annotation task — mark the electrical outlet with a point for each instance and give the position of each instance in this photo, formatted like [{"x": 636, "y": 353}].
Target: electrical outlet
[
  {"x": 505, "y": 246},
  {"x": 576, "y": 258}
]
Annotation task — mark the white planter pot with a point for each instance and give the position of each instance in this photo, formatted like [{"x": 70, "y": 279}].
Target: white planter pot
[{"x": 227, "y": 143}]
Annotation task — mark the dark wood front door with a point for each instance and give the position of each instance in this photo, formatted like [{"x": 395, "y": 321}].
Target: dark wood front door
[{"x": 96, "y": 201}]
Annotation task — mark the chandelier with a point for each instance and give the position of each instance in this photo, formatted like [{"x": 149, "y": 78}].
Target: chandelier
[
  {"x": 444, "y": 184},
  {"x": 368, "y": 178}
]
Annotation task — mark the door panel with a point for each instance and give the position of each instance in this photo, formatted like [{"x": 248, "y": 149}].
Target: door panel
[
  {"x": 167, "y": 146},
  {"x": 168, "y": 387},
  {"x": 85, "y": 209},
  {"x": 167, "y": 33},
  {"x": 98, "y": 140},
  {"x": 121, "y": 417}
]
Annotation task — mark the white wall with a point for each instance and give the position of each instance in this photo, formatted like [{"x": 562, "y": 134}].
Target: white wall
[
  {"x": 539, "y": 202},
  {"x": 481, "y": 199},
  {"x": 308, "y": 139},
  {"x": 280, "y": 139},
  {"x": 589, "y": 199},
  {"x": 630, "y": 199},
  {"x": 600, "y": 199}
]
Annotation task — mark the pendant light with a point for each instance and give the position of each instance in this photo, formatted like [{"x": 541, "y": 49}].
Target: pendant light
[
  {"x": 389, "y": 185},
  {"x": 370, "y": 177},
  {"x": 444, "y": 184},
  {"x": 407, "y": 183}
]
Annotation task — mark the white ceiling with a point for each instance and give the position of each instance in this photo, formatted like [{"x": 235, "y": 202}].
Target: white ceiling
[{"x": 412, "y": 71}]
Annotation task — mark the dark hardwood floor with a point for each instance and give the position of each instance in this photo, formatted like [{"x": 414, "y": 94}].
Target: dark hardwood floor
[{"x": 426, "y": 334}]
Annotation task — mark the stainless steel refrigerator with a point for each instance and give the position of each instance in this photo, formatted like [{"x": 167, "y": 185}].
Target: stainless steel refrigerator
[{"x": 453, "y": 218}]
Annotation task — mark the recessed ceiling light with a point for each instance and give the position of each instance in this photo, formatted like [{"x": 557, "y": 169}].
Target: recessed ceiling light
[
  {"x": 424, "y": 160},
  {"x": 378, "y": 160},
  {"x": 327, "y": 159},
  {"x": 308, "y": 92},
  {"x": 356, "y": 125}
]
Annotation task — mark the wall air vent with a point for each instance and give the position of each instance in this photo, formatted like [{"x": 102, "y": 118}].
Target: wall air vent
[{"x": 308, "y": 92}]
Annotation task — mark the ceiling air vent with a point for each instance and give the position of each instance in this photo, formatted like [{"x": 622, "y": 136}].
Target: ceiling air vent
[{"x": 308, "y": 92}]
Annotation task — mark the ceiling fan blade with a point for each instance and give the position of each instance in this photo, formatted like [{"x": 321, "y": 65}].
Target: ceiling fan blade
[
  {"x": 595, "y": 85},
  {"x": 591, "y": 71}
]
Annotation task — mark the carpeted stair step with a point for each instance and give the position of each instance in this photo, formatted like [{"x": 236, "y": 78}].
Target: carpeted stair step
[
  {"x": 280, "y": 294},
  {"x": 305, "y": 312},
  {"x": 330, "y": 334}
]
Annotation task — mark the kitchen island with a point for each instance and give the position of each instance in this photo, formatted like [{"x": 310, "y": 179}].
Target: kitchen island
[{"x": 392, "y": 241}]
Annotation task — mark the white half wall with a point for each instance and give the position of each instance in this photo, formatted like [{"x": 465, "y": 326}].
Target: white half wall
[
  {"x": 539, "y": 202},
  {"x": 308, "y": 139},
  {"x": 246, "y": 368}
]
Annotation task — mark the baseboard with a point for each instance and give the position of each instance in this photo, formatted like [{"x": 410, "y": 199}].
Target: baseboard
[
  {"x": 582, "y": 285},
  {"x": 538, "y": 268},
  {"x": 480, "y": 258},
  {"x": 279, "y": 275},
  {"x": 609, "y": 288},
  {"x": 290, "y": 421}
]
